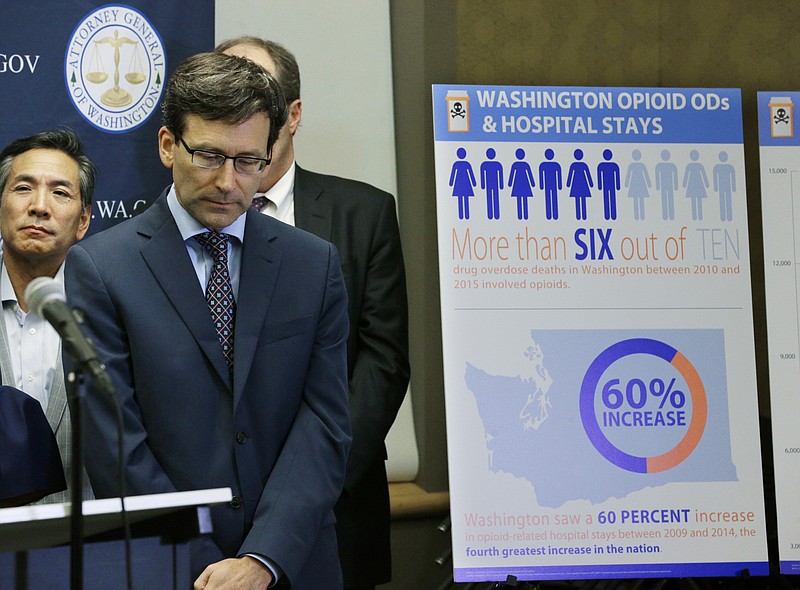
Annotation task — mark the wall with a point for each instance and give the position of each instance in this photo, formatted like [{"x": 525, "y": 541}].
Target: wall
[{"x": 346, "y": 74}]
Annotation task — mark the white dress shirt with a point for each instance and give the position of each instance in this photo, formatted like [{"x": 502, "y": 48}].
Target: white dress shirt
[
  {"x": 33, "y": 343},
  {"x": 280, "y": 197}
]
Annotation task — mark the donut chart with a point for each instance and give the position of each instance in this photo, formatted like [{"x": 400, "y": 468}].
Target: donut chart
[{"x": 591, "y": 425}]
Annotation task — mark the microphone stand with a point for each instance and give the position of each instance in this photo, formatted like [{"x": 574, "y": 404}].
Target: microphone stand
[
  {"x": 46, "y": 298},
  {"x": 76, "y": 392}
]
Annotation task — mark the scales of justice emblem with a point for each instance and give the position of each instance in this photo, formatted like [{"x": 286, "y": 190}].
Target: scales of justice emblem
[
  {"x": 114, "y": 68},
  {"x": 116, "y": 96}
]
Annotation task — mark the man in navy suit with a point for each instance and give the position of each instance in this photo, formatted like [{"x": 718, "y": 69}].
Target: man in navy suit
[
  {"x": 361, "y": 222},
  {"x": 260, "y": 408}
]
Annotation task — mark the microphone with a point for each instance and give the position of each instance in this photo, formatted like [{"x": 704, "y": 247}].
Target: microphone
[{"x": 45, "y": 297}]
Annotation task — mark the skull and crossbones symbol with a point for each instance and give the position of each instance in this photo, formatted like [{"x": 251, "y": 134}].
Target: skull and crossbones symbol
[
  {"x": 781, "y": 116},
  {"x": 458, "y": 110}
]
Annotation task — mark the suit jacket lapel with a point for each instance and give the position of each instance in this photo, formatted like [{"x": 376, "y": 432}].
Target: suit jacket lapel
[
  {"x": 165, "y": 255},
  {"x": 261, "y": 262},
  {"x": 57, "y": 402},
  {"x": 6, "y": 368},
  {"x": 311, "y": 212}
]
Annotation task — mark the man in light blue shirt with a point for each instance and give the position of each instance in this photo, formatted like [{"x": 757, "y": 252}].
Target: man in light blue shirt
[
  {"x": 46, "y": 186},
  {"x": 224, "y": 333}
]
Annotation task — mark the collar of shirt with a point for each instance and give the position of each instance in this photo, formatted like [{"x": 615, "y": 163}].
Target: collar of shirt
[
  {"x": 7, "y": 289},
  {"x": 189, "y": 227},
  {"x": 282, "y": 193},
  {"x": 33, "y": 344}
]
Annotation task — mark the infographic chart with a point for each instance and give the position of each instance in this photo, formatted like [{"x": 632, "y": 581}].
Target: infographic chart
[
  {"x": 780, "y": 206},
  {"x": 602, "y": 414}
]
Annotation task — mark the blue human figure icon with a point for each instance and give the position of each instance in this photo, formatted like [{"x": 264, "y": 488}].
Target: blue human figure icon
[
  {"x": 637, "y": 181},
  {"x": 462, "y": 179},
  {"x": 521, "y": 183},
  {"x": 579, "y": 181},
  {"x": 608, "y": 181},
  {"x": 492, "y": 183},
  {"x": 725, "y": 185},
  {"x": 667, "y": 183},
  {"x": 550, "y": 183},
  {"x": 695, "y": 182}
]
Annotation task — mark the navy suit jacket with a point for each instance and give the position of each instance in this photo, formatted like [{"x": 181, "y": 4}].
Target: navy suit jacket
[
  {"x": 360, "y": 220},
  {"x": 278, "y": 436}
]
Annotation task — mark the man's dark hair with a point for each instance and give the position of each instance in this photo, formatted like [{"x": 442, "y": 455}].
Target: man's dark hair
[
  {"x": 64, "y": 140},
  {"x": 219, "y": 87},
  {"x": 288, "y": 73}
]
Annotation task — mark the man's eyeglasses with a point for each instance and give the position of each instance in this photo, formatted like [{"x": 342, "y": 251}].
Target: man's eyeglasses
[{"x": 213, "y": 160}]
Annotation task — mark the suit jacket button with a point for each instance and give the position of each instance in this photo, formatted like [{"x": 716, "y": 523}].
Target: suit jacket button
[
  {"x": 236, "y": 502},
  {"x": 241, "y": 438}
]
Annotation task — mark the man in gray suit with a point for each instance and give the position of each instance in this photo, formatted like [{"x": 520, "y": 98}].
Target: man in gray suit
[{"x": 46, "y": 186}]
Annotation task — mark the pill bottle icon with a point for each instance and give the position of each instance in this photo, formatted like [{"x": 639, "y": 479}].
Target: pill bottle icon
[
  {"x": 781, "y": 117},
  {"x": 457, "y": 110}
]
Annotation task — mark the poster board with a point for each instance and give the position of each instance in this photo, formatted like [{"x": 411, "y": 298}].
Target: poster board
[
  {"x": 780, "y": 206},
  {"x": 600, "y": 385}
]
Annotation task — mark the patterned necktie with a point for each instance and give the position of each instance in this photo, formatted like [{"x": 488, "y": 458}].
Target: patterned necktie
[
  {"x": 259, "y": 203},
  {"x": 219, "y": 291}
]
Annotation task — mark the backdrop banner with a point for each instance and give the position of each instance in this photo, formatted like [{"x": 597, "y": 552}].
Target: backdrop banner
[{"x": 99, "y": 69}]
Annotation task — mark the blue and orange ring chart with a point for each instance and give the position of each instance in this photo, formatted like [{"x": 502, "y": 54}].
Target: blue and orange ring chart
[{"x": 697, "y": 425}]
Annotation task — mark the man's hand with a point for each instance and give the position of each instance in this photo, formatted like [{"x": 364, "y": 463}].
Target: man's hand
[{"x": 241, "y": 573}]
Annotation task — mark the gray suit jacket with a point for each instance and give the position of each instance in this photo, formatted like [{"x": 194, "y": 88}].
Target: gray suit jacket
[{"x": 57, "y": 416}]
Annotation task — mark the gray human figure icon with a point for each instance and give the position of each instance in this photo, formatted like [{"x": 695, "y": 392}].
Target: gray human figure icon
[
  {"x": 550, "y": 183},
  {"x": 725, "y": 185},
  {"x": 637, "y": 181},
  {"x": 695, "y": 182},
  {"x": 608, "y": 178},
  {"x": 667, "y": 182},
  {"x": 492, "y": 182}
]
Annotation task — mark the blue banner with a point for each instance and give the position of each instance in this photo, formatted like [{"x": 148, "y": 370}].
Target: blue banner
[
  {"x": 100, "y": 70},
  {"x": 587, "y": 114}
]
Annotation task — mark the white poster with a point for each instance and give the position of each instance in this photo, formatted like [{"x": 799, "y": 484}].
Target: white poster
[
  {"x": 600, "y": 385},
  {"x": 780, "y": 207}
]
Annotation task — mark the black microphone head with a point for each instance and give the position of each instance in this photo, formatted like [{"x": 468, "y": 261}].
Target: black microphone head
[{"x": 42, "y": 290}]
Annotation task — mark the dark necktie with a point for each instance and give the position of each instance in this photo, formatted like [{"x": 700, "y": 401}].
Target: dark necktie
[
  {"x": 219, "y": 291},
  {"x": 259, "y": 203}
]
